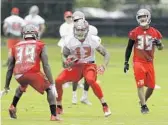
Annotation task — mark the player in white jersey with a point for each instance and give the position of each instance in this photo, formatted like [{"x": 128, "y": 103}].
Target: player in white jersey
[
  {"x": 79, "y": 54},
  {"x": 35, "y": 19},
  {"x": 66, "y": 29},
  {"x": 78, "y": 15},
  {"x": 12, "y": 29}
]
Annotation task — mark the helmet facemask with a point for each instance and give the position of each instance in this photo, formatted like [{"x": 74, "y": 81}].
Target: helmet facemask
[{"x": 81, "y": 29}]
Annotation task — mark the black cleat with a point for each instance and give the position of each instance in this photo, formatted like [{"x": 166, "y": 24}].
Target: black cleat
[
  {"x": 144, "y": 109},
  {"x": 12, "y": 112}
]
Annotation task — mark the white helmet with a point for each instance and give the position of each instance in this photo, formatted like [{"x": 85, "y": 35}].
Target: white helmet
[
  {"x": 77, "y": 15},
  {"x": 81, "y": 29},
  {"x": 34, "y": 10},
  {"x": 143, "y": 17},
  {"x": 30, "y": 31}
]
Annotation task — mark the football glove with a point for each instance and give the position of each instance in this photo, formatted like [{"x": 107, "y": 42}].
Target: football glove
[
  {"x": 70, "y": 61},
  {"x": 100, "y": 69},
  {"x": 126, "y": 67}
]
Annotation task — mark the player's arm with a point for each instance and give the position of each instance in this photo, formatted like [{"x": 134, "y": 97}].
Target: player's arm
[
  {"x": 11, "y": 65},
  {"x": 46, "y": 66},
  {"x": 101, "y": 49},
  {"x": 67, "y": 62},
  {"x": 128, "y": 52},
  {"x": 42, "y": 29},
  {"x": 5, "y": 28}
]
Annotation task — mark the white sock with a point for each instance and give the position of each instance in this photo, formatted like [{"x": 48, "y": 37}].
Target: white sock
[
  {"x": 85, "y": 93},
  {"x": 74, "y": 93}
]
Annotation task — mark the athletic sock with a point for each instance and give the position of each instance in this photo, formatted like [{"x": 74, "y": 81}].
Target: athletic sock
[
  {"x": 53, "y": 109},
  {"x": 15, "y": 101},
  {"x": 104, "y": 104},
  {"x": 59, "y": 106}
]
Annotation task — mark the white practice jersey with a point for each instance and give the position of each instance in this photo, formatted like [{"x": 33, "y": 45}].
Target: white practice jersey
[
  {"x": 67, "y": 30},
  {"x": 35, "y": 20},
  {"x": 93, "y": 30},
  {"x": 85, "y": 51},
  {"x": 14, "y": 25}
]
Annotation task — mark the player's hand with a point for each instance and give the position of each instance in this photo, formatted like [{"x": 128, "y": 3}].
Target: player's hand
[
  {"x": 156, "y": 41},
  {"x": 70, "y": 61},
  {"x": 53, "y": 89},
  {"x": 101, "y": 69},
  {"x": 126, "y": 67}
]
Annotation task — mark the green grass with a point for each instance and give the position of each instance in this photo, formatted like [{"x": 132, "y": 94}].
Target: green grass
[{"x": 119, "y": 91}]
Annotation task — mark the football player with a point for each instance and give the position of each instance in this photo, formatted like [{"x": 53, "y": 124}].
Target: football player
[
  {"x": 12, "y": 29},
  {"x": 25, "y": 63},
  {"x": 79, "y": 54},
  {"x": 143, "y": 39},
  {"x": 35, "y": 19}
]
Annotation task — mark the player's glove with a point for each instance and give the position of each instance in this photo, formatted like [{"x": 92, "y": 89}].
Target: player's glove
[
  {"x": 101, "y": 69},
  {"x": 126, "y": 67},
  {"x": 53, "y": 90},
  {"x": 70, "y": 61},
  {"x": 158, "y": 44}
]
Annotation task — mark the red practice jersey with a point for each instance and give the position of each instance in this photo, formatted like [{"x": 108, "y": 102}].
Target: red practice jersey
[
  {"x": 144, "y": 46},
  {"x": 27, "y": 56}
]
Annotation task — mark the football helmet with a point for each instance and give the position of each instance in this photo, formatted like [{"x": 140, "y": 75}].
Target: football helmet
[
  {"x": 77, "y": 15},
  {"x": 30, "y": 31},
  {"x": 143, "y": 17},
  {"x": 81, "y": 29},
  {"x": 34, "y": 10}
]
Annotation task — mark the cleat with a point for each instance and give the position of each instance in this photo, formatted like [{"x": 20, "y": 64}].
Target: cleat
[
  {"x": 106, "y": 111},
  {"x": 144, "y": 109},
  {"x": 12, "y": 112},
  {"x": 55, "y": 118},
  {"x": 85, "y": 101},
  {"x": 59, "y": 111}
]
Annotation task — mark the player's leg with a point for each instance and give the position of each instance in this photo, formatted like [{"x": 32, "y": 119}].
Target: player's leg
[
  {"x": 18, "y": 93},
  {"x": 10, "y": 44},
  {"x": 84, "y": 99},
  {"x": 90, "y": 75},
  {"x": 140, "y": 76},
  {"x": 150, "y": 81},
  {"x": 74, "y": 74},
  {"x": 39, "y": 82},
  {"x": 52, "y": 102},
  {"x": 74, "y": 92}
]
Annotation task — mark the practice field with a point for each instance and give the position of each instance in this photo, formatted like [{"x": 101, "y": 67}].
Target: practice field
[{"x": 119, "y": 91}]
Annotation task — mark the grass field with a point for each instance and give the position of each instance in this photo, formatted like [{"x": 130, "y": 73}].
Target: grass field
[{"x": 119, "y": 91}]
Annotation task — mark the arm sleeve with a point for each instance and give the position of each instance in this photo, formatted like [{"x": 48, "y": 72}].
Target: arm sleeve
[{"x": 129, "y": 49}]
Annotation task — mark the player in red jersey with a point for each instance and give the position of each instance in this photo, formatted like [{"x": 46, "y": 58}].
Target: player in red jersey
[
  {"x": 144, "y": 38},
  {"x": 24, "y": 62},
  {"x": 79, "y": 55}
]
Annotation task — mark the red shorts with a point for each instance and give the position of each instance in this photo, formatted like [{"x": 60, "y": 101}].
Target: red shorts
[
  {"x": 11, "y": 42},
  {"x": 88, "y": 71},
  {"x": 144, "y": 74},
  {"x": 37, "y": 80}
]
